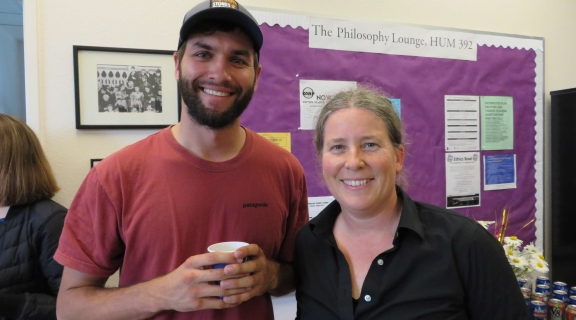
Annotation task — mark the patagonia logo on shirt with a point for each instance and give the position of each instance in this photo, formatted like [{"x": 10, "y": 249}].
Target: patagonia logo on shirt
[{"x": 255, "y": 205}]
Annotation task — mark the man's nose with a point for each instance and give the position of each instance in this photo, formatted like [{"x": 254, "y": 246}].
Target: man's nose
[{"x": 219, "y": 69}]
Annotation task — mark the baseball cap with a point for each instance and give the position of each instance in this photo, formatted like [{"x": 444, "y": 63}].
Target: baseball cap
[{"x": 227, "y": 10}]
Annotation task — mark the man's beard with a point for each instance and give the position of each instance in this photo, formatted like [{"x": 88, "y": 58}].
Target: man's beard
[{"x": 189, "y": 90}]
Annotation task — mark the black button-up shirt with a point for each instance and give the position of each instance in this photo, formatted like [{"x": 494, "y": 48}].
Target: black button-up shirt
[{"x": 442, "y": 266}]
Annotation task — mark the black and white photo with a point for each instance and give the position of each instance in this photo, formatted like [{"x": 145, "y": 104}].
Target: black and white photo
[
  {"x": 119, "y": 88},
  {"x": 129, "y": 88}
]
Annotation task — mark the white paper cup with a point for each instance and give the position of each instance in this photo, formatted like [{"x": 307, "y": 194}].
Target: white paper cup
[{"x": 229, "y": 246}]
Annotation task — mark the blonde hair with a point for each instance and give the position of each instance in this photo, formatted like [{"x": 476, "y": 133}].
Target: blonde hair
[
  {"x": 25, "y": 174},
  {"x": 363, "y": 97}
]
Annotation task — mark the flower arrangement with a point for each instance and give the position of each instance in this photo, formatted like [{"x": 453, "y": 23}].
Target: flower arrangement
[{"x": 524, "y": 260}]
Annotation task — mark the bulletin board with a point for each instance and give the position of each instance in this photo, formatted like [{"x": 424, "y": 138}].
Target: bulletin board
[{"x": 420, "y": 78}]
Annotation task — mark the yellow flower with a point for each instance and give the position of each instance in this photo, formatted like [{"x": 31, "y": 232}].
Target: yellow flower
[
  {"x": 513, "y": 240},
  {"x": 539, "y": 265}
]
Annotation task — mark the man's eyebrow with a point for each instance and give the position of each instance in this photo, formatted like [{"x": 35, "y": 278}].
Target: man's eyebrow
[
  {"x": 203, "y": 45},
  {"x": 238, "y": 52},
  {"x": 242, "y": 53}
]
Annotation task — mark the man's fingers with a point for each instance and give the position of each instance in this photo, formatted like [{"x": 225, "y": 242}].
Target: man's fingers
[
  {"x": 244, "y": 282},
  {"x": 206, "y": 260},
  {"x": 209, "y": 276},
  {"x": 235, "y": 291},
  {"x": 241, "y": 268},
  {"x": 210, "y": 290},
  {"x": 214, "y": 303},
  {"x": 246, "y": 251},
  {"x": 239, "y": 298}
]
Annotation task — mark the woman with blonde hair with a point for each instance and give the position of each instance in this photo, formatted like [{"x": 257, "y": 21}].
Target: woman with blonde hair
[
  {"x": 374, "y": 253},
  {"x": 30, "y": 225}
]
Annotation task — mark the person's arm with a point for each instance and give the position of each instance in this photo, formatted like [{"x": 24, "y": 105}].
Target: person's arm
[
  {"x": 30, "y": 306},
  {"x": 188, "y": 288},
  {"x": 40, "y": 306},
  {"x": 492, "y": 291}
]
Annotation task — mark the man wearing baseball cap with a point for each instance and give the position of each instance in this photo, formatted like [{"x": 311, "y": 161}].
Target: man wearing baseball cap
[{"x": 152, "y": 208}]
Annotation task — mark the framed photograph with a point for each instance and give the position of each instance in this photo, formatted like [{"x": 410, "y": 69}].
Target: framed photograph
[{"x": 118, "y": 88}]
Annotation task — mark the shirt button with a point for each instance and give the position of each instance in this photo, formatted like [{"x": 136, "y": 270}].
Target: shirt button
[
  {"x": 380, "y": 262},
  {"x": 367, "y": 298}
]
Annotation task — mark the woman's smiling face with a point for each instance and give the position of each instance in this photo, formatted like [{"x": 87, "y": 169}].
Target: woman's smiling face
[{"x": 359, "y": 162}]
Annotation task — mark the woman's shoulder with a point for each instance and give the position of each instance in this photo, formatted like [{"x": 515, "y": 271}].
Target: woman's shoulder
[
  {"x": 48, "y": 205},
  {"x": 43, "y": 210},
  {"x": 451, "y": 224},
  {"x": 431, "y": 213}
]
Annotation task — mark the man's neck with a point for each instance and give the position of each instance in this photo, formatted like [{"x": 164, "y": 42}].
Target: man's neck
[{"x": 209, "y": 144}]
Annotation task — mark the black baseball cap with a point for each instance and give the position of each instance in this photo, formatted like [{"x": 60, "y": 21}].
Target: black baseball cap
[{"x": 226, "y": 10}]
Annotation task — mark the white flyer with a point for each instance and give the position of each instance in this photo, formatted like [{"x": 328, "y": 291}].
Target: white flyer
[
  {"x": 462, "y": 179},
  {"x": 317, "y": 204},
  {"x": 462, "y": 123},
  {"x": 313, "y": 96}
]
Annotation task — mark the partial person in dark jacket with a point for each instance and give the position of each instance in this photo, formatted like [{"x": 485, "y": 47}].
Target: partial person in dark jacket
[{"x": 30, "y": 226}]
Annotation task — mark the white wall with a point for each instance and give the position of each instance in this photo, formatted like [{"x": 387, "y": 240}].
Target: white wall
[{"x": 154, "y": 24}]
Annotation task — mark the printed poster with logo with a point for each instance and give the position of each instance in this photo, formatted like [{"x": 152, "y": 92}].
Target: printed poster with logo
[
  {"x": 462, "y": 179},
  {"x": 313, "y": 96}
]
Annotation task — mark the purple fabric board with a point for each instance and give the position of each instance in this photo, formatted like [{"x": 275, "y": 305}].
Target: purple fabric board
[{"x": 421, "y": 84}]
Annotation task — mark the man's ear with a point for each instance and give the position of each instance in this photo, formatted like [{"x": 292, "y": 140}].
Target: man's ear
[
  {"x": 176, "y": 67},
  {"x": 258, "y": 71}
]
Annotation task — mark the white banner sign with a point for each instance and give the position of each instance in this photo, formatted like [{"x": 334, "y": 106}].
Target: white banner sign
[{"x": 391, "y": 39}]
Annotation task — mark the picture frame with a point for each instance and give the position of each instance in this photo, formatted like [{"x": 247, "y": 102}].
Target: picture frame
[
  {"x": 122, "y": 88},
  {"x": 94, "y": 162}
]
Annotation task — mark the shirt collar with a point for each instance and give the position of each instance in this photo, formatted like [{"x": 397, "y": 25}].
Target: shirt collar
[
  {"x": 410, "y": 219},
  {"x": 323, "y": 224}
]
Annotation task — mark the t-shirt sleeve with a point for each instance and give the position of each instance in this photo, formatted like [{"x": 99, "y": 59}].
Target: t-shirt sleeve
[
  {"x": 90, "y": 240},
  {"x": 297, "y": 218},
  {"x": 492, "y": 291}
]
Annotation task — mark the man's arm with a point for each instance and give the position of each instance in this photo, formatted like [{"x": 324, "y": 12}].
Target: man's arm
[
  {"x": 285, "y": 280},
  {"x": 188, "y": 288}
]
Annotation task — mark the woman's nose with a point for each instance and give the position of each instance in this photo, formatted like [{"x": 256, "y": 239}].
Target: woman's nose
[{"x": 355, "y": 159}]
